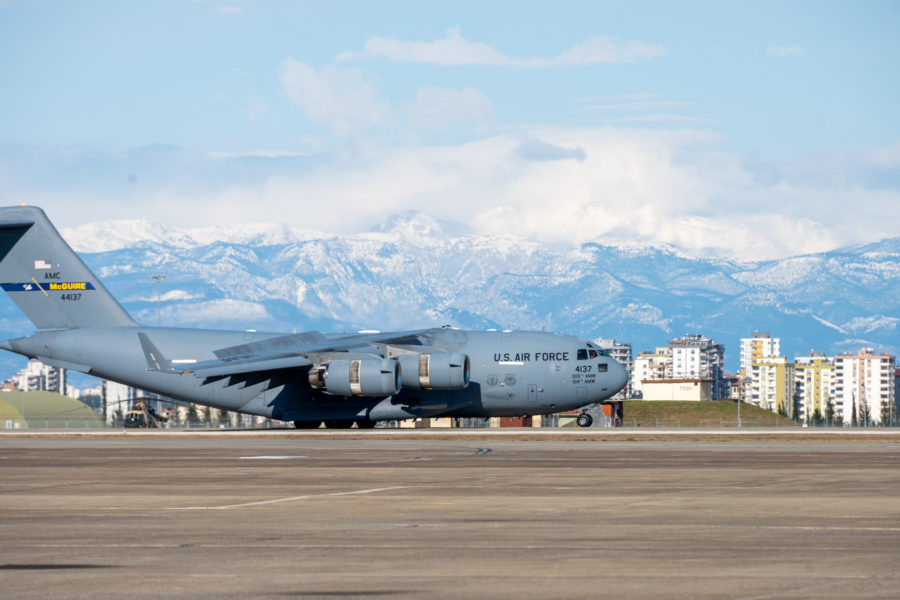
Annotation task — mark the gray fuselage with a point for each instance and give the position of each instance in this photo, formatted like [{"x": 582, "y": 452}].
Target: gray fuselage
[{"x": 512, "y": 373}]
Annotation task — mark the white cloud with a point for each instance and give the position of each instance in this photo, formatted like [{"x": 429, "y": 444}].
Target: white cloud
[
  {"x": 452, "y": 50},
  {"x": 555, "y": 185},
  {"x": 344, "y": 99},
  {"x": 456, "y": 50},
  {"x": 639, "y": 97},
  {"x": 223, "y": 311},
  {"x": 602, "y": 49},
  {"x": 535, "y": 149},
  {"x": 777, "y": 51},
  {"x": 444, "y": 110},
  {"x": 660, "y": 118},
  {"x": 637, "y": 105},
  {"x": 659, "y": 187},
  {"x": 257, "y": 154}
]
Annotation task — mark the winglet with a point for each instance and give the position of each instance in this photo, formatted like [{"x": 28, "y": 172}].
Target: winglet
[{"x": 155, "y": 359}]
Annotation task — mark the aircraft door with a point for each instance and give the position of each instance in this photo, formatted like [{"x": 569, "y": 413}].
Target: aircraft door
[{"x": 532, "y": 392}]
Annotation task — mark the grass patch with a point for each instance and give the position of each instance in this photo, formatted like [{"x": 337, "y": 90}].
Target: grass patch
[{"x": 720, "y": 413}]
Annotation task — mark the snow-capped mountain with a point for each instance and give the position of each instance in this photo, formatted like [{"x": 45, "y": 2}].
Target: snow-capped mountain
[{"x": 413, "y": 273}]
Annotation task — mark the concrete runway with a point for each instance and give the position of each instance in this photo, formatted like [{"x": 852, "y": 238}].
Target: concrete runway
[{"x": 447, "y": 518}]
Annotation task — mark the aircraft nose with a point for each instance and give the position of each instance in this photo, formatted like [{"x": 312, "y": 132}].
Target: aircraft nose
[{"x": 621, "y": 377}]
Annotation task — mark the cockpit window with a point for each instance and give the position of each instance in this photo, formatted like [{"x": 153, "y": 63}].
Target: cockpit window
[{"x": 591, "y": 353}]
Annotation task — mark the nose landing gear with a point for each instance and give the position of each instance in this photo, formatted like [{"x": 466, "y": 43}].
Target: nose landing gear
[{"x": 585, "y": 420}]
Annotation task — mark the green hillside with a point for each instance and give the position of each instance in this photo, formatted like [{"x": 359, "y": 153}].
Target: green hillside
[{"x": 721, "y": 413}]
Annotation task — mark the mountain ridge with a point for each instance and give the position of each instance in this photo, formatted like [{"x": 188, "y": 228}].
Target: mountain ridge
[{"x": 411, "y": 273}]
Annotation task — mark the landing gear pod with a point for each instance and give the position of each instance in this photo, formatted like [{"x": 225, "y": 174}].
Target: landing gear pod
[
  {"x": 435, "y": 371},
  {"x": 365, "y": 377}
]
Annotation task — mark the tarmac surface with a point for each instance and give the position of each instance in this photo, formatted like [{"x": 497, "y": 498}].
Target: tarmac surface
[{"x": 332, "y": 516}]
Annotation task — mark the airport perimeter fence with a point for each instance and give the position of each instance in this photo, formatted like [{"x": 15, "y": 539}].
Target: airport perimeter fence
[
  {"x": 47, "y": 422},
  {"x": 778, "y": 421},
  {"x": 79, "y": 422}
]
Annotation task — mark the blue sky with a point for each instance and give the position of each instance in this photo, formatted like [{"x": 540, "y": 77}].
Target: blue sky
[{"x": 752, "y": 130}]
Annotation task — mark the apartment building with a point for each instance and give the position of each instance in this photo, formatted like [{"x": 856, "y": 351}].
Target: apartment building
[
  {"x": 649, "y": 366},
  {"x": 772, "y": 384},
  {"x": 864, "y": 383},
  {"x": 759, "y": 345},
  {"x": 695, "y": 356},
  {"x": 38, "y": 377},
  {"x": 814, "y": 380}
]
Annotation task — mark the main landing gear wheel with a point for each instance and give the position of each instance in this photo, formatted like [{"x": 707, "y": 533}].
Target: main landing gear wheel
[
  {"x": 338, "y": 424},
  {"x": 365, "y": 424},
  {"x": 585, "y": 420},
  {"x": 307, "y": 424}
]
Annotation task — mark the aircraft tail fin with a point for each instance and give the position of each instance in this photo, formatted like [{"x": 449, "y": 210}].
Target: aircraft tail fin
[{"x": 47, "y": 280}]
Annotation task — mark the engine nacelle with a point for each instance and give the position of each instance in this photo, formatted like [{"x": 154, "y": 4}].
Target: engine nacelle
[
  {"x": 435, "y": 371},
  {"x": 360, "y": 377}
]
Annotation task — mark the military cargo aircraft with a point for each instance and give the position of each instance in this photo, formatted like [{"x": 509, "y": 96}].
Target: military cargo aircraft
[{"x": 309, "y": 378}]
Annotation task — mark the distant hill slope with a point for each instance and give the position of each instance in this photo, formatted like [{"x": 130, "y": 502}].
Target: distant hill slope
[{"x": 413, "y": 274}]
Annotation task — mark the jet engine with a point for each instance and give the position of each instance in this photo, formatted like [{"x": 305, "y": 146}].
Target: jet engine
[
  {"x": 360, "y": 377},
  {"x": 434, "y": 371}
]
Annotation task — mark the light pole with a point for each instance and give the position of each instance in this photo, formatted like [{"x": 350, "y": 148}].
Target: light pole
[{"x": 158, "y": 279}]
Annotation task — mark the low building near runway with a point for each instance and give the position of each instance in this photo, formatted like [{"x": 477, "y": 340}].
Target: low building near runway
[
  {"x": 697, "y": 390},
  {"x": 45, "y": 410}
]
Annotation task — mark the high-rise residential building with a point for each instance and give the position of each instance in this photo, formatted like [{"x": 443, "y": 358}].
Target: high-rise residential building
[
  {"x": 38, "y": 377},
  {"x": 694, "y": 356},
  {"x": 621, "y": 353},
  {"x": 761, "y": 344},
  {"x": 772, "y": 384},
  {"x": 814, "y": 379},
  {"x": 864, "y": 383},
  {"x": 649, "y": 366}
]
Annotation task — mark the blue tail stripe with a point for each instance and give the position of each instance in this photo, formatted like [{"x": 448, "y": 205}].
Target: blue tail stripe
[{"x": 71, "y": 286}]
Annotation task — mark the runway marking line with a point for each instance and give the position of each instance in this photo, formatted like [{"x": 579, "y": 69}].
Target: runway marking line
[
  {"x": 272, "y": 457},
  {"x": 291, "y": 499}
]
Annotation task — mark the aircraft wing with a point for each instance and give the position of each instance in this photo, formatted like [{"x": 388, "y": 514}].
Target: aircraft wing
[
  {"x": 240, "y": 365},
  {"x": 284, "y": 352}
]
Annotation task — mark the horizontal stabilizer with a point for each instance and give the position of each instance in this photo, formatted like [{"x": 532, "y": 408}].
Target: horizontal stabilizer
[{"x": 155, "y": 360}]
